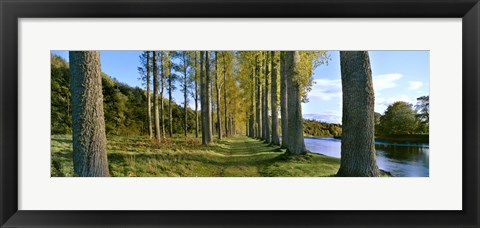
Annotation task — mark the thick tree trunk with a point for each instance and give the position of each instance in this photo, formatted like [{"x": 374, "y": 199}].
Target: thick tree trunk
[
  {"x": 218, "y": 99},
  {"x": 266, "y": 118},
  {"x": 296, "y": 145},
  {"x": 89, "y": 139},
  {"x": 155, "y": 97},
  {"x": 208, "y": 98},
  {"x": 283, "y": 100},
  {"x": 149, "y": 102},
  {"x": 203, "y": 98},
  {"x": 185, "y": 93},
  {"x": 258, "y": 120},
  {"x": 196, "y": 95},
  {"x": 162, "y": 86},
  {"x": 170, "y": 97},
  {"x": 275, "y": 139},
  {"x": 358, "y": 147}
]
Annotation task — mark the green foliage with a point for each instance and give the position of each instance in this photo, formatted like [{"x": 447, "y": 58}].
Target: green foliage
[
  {"x": 309, "y": 61},
  {"x": 377, "y": 118},
  {"x": 124, "y": 106},
  {"x": 423, "y": 109},
  {"x": 321, "y": 129},
  {"x": 142, "y": 69},
  {"x": 399, "y": 119},
  {"x": 61, "y": 116}
]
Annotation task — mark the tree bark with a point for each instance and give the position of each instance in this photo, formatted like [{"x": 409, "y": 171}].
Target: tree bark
[
  {"x": 196, "y": 95},
  {"x": 275, "y": 138},
  {"x": 227, "y": 133},
  {"x": 155, "y": 97},
  {"x": 251, "y": 119},
  {"x": 232, "y": 125},
  {"x": 203, "y": 98},
  {"x": 211, "y": 99},
  {"x": 185, "y": 92},
  {"x": 162, "y": 86},
  {"x": 149, "y": 102},
  {"x": 266, "y": 118},
  {"x": 262, "y": 97},
  {"x": 89, "y": 138},
  {"x": 170, "y": 97},
  {"x": 358, "y": 146},
  {"x": 218, "y": 99},
  {"x": 247, "y": 123},
  {"x": 208, "y": 98},
  {"x": 258, "y": 120},
  {"x": 283, "y": 100},
  {"x": 296, "y": 145}
]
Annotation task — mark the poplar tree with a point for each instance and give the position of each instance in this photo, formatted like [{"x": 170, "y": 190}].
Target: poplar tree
[
  {"x": 266, "y": 118},
  {"x": 203, "y": 98},
  {"x": 208, "y": 88},
  {"x": 274, "y": 100},
  {"x": 195, "y": 93},
  {"x": 296, "y": 145},
  {"x": 171, "y": 87},
  {"x": 144, "y": 72},
  {"x": 258, "y": 120},
  {"x": 283, "y": 99},
  {"x": 88, "y": 124},
  {"x": 162, "y": 87},
  {"x": 218, "y": 87},
  {"x": 358, "y": 157},
  {"x": 155, "y": 96}
]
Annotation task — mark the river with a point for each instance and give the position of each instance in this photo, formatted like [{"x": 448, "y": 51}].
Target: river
[{"x": 402, "y": 160}]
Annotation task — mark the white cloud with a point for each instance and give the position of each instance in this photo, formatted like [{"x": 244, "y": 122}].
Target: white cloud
[
  {"x": 328, "y": 116},
  {"x": 414, "y": 85},
  {"x": 385, "y": 81},
  {"x": 326, "y": 89},
  {"x": 382, "y": 103}
]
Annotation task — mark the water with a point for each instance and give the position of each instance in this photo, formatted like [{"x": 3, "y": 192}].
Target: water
[{"x": 403, "y": 160}]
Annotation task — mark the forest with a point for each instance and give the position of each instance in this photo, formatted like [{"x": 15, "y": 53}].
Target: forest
[{"x": 246, "y": 121}]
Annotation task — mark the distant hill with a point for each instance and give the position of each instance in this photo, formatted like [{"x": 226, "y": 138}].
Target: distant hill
[
  {"x": 324, "y": 118},
  {"x": 124, "y": 106},
  {"x": 321, "y": 129}
]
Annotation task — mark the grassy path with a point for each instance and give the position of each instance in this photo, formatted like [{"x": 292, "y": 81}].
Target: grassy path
[{"x": 232, "y": 157}]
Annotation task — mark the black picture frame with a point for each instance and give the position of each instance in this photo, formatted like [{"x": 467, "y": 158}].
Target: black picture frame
[{"x": 12, "y": 10}]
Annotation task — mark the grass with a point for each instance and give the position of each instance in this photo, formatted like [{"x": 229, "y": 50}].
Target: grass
[{"x": 176, "y": 157}]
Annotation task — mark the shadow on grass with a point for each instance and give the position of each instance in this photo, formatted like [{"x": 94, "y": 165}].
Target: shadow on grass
[{"x": 235, "y": 156}]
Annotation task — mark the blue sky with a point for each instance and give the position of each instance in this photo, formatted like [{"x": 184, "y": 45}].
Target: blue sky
[{"x": 397, "y": 76}]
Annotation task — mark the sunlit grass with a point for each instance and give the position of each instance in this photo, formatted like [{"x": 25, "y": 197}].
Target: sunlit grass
[{"x": 179, "y": 157}]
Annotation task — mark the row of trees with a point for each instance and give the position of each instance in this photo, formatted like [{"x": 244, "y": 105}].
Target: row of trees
[
  {"x": 358, "y": 156},
  {"x": 124, "y": 106},
  {"x": 251, "y": 82},
  {"x": 207, "y": 80},
  {"x": 273, "y": 80}
]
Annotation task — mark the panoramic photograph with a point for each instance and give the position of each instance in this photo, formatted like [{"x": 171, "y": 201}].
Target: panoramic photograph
[{"x": 228, "y": 113}]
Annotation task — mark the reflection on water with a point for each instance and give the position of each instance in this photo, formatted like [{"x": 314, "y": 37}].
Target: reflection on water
[{"x": 404, "y": 160}]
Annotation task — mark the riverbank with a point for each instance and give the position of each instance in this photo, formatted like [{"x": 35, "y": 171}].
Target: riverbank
[
  {"x": 233, "y": 157},
  {"x": 404, "y": 139}
]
